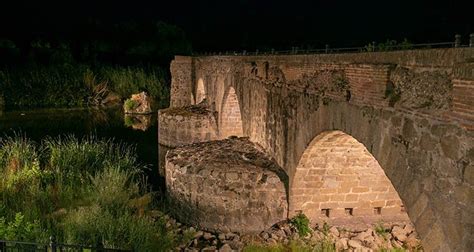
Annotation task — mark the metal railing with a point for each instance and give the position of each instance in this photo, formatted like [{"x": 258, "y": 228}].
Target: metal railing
[
  {"x": 372, "y": 47},
  {"x": 17, "y": 246}
]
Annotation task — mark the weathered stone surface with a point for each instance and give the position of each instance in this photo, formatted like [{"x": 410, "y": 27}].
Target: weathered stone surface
[
  {"x": 355, "y": 244},
  {"x": 422, "y": 90},
  {"x": 342, "y": 244},
  {"x": 399, "y": 233},
  {"x": 225, "y": 248},
  {"x": 371, "y": 240},
  {"x": 242, "y": 191},
  {"x": 138, "y": 104},
  {"x": 427, "y": 142},
  {"x": 186, "y": 125},
  {"x": 450, "y": 146},
  {"x": 283, "y": 109}
]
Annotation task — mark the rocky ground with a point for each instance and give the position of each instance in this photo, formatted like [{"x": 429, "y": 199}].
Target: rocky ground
[{"x": 386, "y": 236}]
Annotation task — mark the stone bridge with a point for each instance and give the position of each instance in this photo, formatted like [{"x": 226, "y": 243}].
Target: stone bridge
[{"x": 357, "y": 134}]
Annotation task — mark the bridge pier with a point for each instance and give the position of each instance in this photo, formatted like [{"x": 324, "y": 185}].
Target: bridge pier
[
  {"x": 186, "y": 125},
  {"x": 226, "y": 186}
]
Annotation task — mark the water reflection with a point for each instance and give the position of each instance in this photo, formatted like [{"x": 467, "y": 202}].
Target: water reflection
[{"x": 138, "y": 122}]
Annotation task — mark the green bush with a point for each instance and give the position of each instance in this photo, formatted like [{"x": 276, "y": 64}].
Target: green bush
[
  {"x": 85, "y": 191},
  {"x": 381, "y": 230},
  {"x": 20, "y": 230},
  {"x": 130, "y": 104},
  {"x": 301, "y": 223}
]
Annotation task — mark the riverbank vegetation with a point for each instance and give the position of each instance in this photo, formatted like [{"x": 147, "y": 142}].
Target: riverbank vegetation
[
  {"x": 82, "y": 191},
  {"x": 62, "y": 86},
  {"x": 69, "y": 71}
]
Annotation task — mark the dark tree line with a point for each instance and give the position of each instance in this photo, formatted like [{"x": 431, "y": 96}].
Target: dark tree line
[{"x": 98, "y": 42}]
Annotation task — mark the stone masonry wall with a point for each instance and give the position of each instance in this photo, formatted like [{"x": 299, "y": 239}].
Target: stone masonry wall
[
  {"x": 181, "y": 83},
  {"x": 339, "y": 182},
  {"x": 226, "y": 186},
  {"x": 186, "y": 125},
  {"x": 425, "y": 148}
]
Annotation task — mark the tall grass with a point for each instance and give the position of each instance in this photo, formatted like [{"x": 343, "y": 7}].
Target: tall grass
[
  {"x": 127, "y": 81},
  {"x": 78, "y": 85},
  {"x": 85, "y": 191},
  {"x": 73, "y": 160},
  {"x": 38, "y": 86}
]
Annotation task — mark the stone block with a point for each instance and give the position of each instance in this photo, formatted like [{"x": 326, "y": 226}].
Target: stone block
[
  {"x": 359, "y": 189},
  {"x": 450, "y": 146}
]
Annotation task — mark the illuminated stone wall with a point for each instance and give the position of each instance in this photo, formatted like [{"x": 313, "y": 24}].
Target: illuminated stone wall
[
  {"x": 412, "y": 110},
  {"x": 226, "y": 186},
  {"x": 338, "y": 181}
]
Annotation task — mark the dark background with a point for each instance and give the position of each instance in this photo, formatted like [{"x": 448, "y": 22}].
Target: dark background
[{"x": 249, "y": 24}]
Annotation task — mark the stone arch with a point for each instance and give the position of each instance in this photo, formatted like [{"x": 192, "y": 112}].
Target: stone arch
[
  {"x": 200, "y": 91},
  {"x": 338, "y": 181},
  {"x": 230, "y": 116}
]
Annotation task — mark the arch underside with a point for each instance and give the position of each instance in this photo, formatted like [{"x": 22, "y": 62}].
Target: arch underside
[
  {"x": 338, "y": 181},
  {"x": 230, "y": 116},
  {"x": 420, "y": 158}
]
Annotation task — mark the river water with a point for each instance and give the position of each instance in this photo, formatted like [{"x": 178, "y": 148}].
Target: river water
[{"x": 142, "y": 132}]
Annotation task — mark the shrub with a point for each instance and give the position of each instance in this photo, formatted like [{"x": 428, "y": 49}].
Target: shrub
[
  {"x": 130, "y": 104},
  {"x": 301, "y": 223},
  {"x": 20, "y": 230},
  {"x": 380, "y": 230}
]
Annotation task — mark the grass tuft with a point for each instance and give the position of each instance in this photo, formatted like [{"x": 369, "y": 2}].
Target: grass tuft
[{"x": 86, "y": 191}]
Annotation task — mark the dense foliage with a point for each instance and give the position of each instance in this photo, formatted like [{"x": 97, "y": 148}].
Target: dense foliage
[
  {"x": 78, "y": 85},
  {"x": 121, "y": 59},
  {"x": 87, "y": 192}
]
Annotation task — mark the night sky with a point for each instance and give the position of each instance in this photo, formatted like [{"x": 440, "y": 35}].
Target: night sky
[{"x": 250, "y": 24}]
